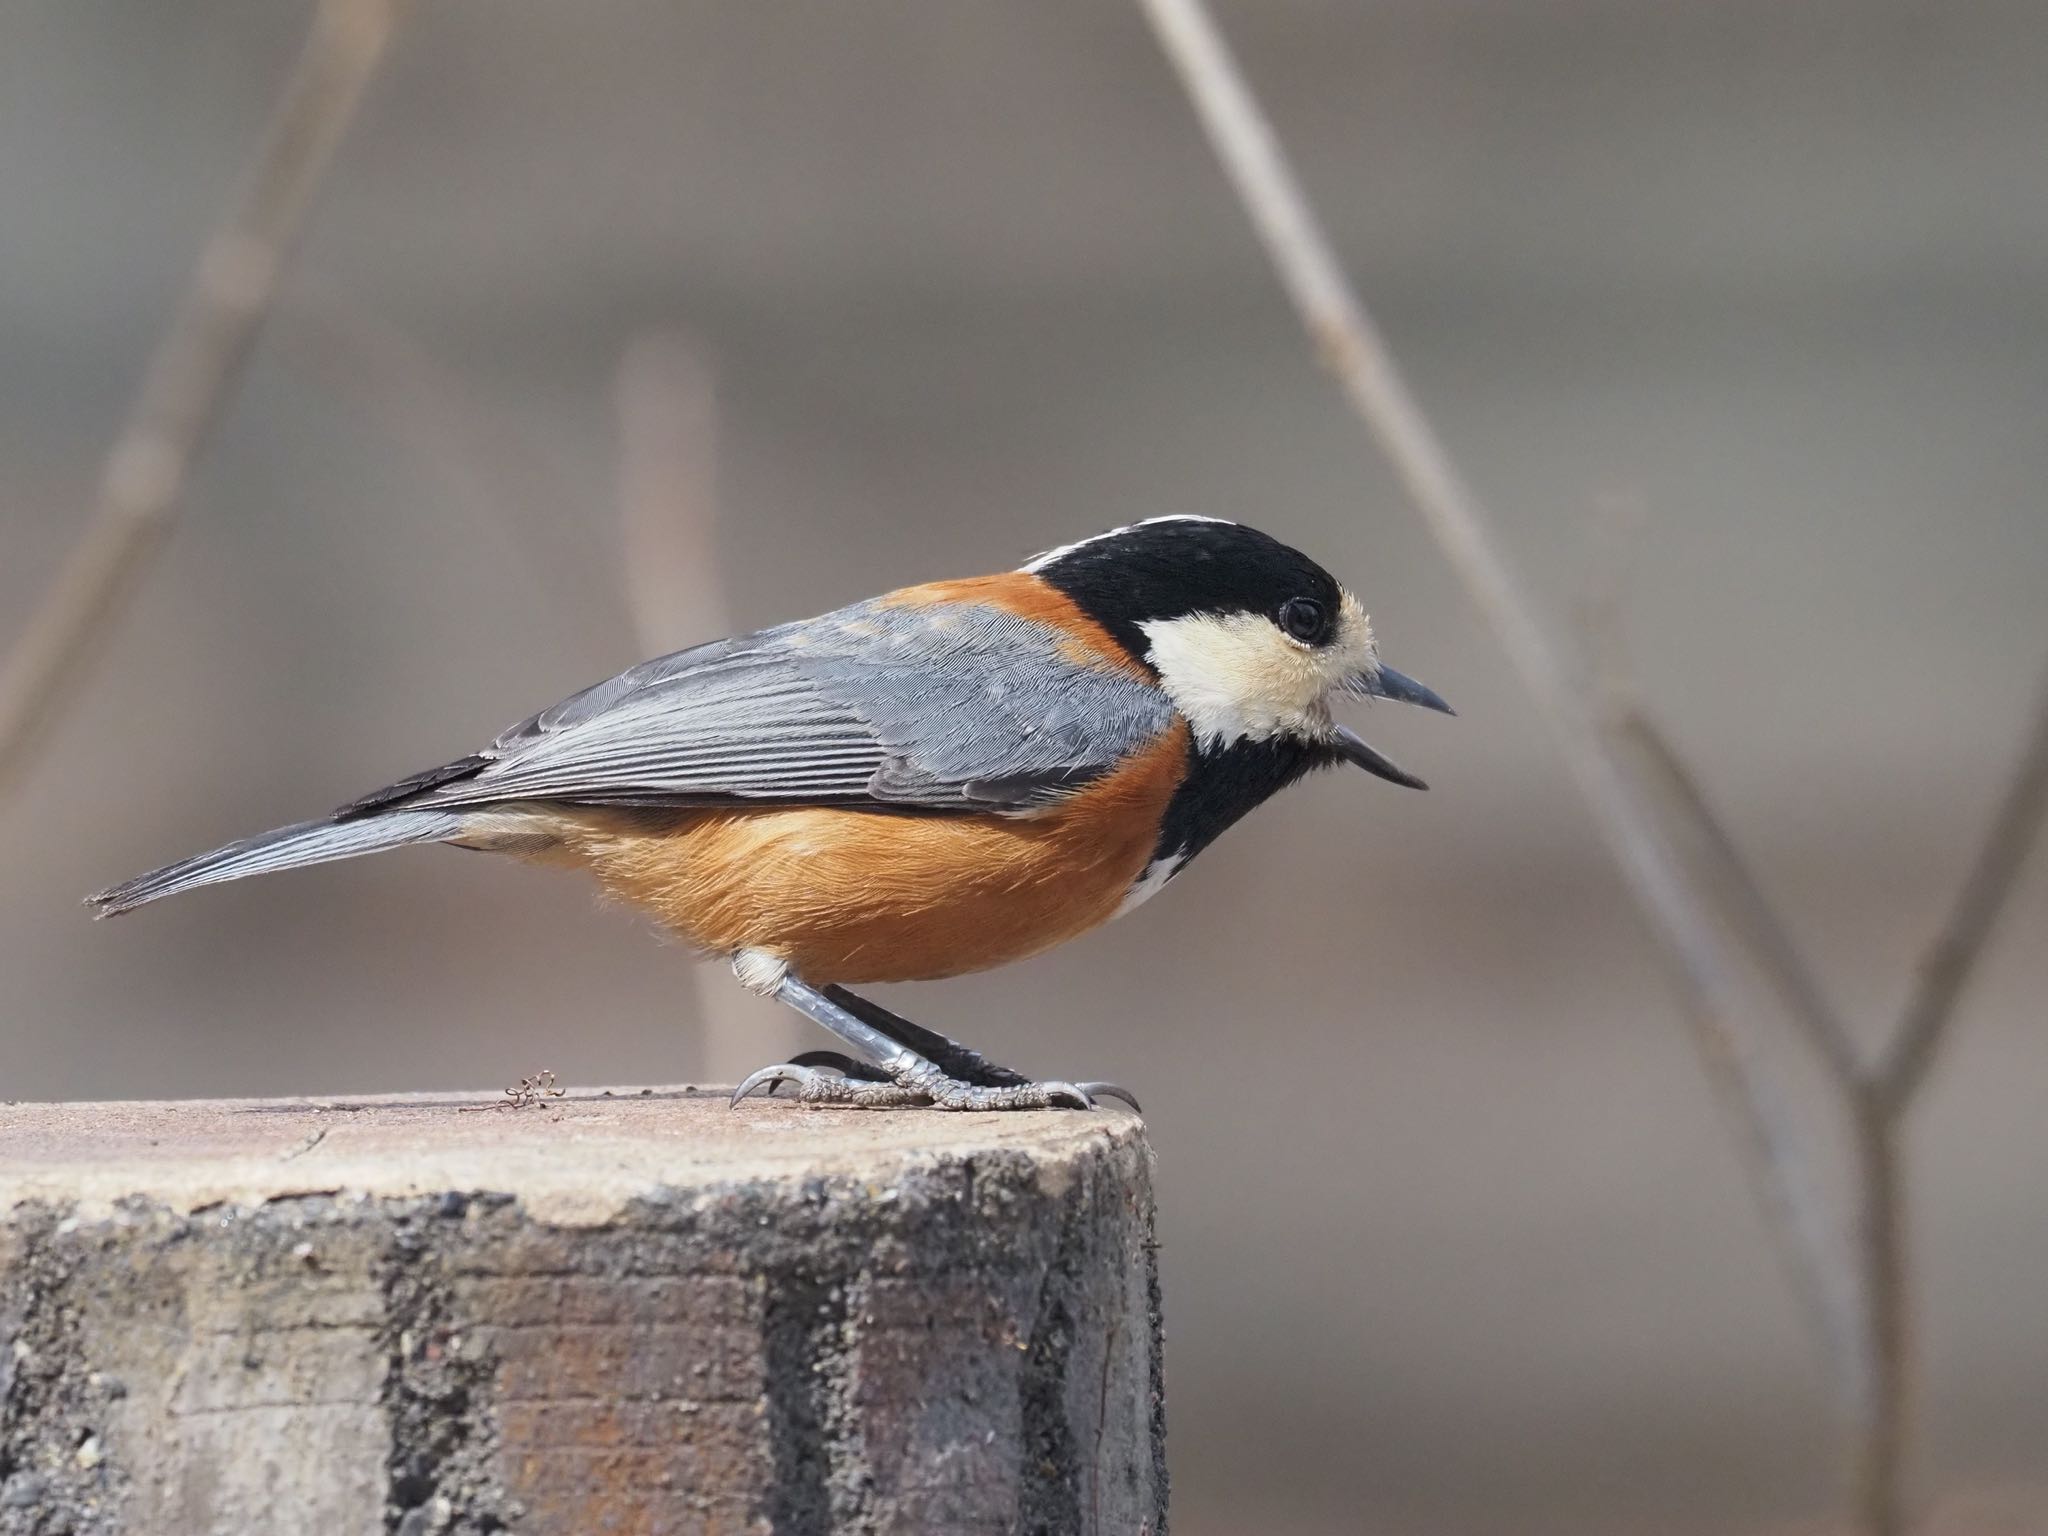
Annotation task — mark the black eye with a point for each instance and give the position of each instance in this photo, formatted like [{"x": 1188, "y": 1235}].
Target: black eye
[{"x": 1302, "y": 617}]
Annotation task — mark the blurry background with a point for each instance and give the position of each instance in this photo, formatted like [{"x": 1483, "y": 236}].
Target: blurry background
[{"x": 1454, "y": 1240}]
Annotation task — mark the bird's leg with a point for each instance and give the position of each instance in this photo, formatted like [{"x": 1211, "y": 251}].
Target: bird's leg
[
  {"x": 912, "y": 1078},
  {"x": 950, "y": 1056}
]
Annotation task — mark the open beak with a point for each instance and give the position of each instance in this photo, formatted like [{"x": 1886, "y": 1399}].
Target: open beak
[{"x": 1386, "y": 683}]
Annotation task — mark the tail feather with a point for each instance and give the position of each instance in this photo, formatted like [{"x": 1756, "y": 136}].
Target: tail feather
[{"x": 309, "y": 842}]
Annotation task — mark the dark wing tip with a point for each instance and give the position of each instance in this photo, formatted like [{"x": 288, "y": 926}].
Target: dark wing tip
[{"x": 414, "y": 784}]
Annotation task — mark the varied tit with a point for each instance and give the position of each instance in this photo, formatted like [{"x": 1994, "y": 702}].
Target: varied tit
[{"x": 931, "y": 782}]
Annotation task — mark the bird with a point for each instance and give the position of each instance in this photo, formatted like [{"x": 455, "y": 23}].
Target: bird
[{"x": 939, "y": 780}]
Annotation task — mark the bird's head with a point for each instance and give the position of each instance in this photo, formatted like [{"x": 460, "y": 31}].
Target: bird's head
[{"x": 1253, "y": 641}]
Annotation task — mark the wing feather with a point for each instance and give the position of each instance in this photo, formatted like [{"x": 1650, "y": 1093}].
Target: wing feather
[{"x": 962, "y": 708}]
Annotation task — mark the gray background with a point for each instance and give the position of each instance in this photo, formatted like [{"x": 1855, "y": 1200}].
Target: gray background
[{"x": 1454, "y": 1239}]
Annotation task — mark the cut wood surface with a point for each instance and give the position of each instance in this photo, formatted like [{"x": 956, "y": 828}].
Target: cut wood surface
[{"x": 634, "y": 1311}]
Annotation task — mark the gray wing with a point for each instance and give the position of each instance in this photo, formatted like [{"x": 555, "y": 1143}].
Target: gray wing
[{"x": 949, "y": 707}]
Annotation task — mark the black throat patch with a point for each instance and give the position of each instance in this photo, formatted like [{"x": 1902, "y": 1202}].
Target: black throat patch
[{"x": 1223, "y": 783}]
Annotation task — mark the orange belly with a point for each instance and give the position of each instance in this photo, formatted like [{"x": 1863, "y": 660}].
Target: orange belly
[{"x": 864, "y": 896}]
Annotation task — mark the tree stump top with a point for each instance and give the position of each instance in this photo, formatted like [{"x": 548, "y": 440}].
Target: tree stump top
[
  {"x": 620, "y": 1314},
  {"x": 578, "y": 1159}
]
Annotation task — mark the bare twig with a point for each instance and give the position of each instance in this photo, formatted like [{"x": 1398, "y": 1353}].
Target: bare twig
[
  {"x": 1724, "y": 878},
  {"x": 191, "y": 377},
  {"x": 1984, "y": 894},
  {"x": 1884, "y": 1420},
  {"x": 1881, "y": 1100},
  {"x": 667, "y": 407},
  {"x": 1720, "y": 867},
  {"x": 1617, "y": 523},
  {"x": 1799, "y": 1219},
  {"x": 1351, "y": 345},
  {"x": 1632, "y": 781}
]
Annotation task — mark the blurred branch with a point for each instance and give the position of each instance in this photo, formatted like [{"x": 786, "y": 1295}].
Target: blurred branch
[
  {"x": 1881, "y": 1098},
  {"x": 1983, "y": 897},
  {"x": 1699, "y": 836},
  {"x": 1884, "y": 1419},
  {"x": 1616, "y": 528},
  {"x": 192, "y": 375},
  {"x": 666, "y": 402},
  {"x": 1719, "y": 867},
  {"x": 1811, "y": 1242},
  {"x": 1797, "y": 1211},
  {"x": 1352, "y": 347},
  {"x": 1639, "y": 790},
  {"x": 667, "y": 408}
]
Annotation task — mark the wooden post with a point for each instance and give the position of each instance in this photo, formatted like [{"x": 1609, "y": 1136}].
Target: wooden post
[{"x": 633, "y": 1312}]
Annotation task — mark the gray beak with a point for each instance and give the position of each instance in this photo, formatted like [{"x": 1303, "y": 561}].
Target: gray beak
[
  {"x": 1389, "y": 684},
  {"x": 1386, "y": 683}
]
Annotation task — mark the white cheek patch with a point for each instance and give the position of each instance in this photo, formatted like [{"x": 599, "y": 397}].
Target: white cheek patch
[{"x": 1236, "y": 675}]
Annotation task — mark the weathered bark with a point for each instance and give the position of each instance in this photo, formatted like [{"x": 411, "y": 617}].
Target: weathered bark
[{"x": 600, "y": 1314}]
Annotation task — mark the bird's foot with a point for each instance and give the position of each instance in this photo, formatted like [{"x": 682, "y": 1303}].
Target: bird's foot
[
  {"x": 827, "y": 1089},
  {"x": 828, "y": 1078},
  {"x": 954, "y": 1060}
]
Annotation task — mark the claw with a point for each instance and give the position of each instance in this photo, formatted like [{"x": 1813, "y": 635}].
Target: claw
[
  {"x": 772, "y": 1077},
  {"x": 1111, "y": 1091},
  {"x": 845, "y": 1066}
]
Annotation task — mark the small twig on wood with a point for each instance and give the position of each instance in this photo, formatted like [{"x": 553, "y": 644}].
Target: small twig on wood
[
  {"x": 191, "y": 377},
  {"x": 524, "y": 1094},
  {"x": 1984, "y": 894}
]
